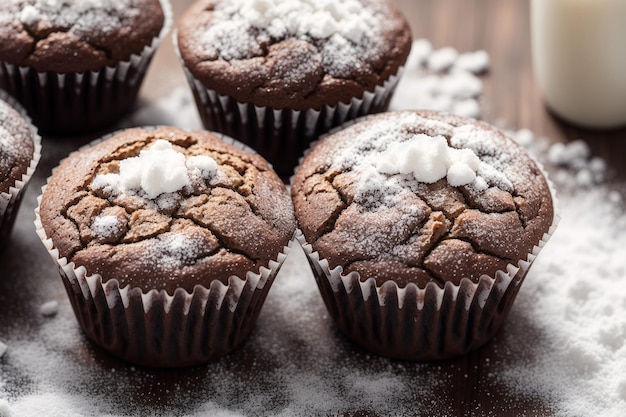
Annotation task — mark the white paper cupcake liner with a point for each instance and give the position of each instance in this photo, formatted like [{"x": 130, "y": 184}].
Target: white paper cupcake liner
[
  {"x": 422, "y": 324},
  {"x": 154, "y": 328},
  {"x": 281, "y": 135},
  {"x": 10, "y": 201},
  {"x": 80, "y": 102}
]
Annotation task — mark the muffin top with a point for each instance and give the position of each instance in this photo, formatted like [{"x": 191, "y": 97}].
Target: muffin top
[
  {"x": 298, "y": 54},
  {"x": 17, "y": 146},
  {"x": 165, "y": 208},
  {"x": 76, "y": 35},
  {"x": 421, "y": 197}
]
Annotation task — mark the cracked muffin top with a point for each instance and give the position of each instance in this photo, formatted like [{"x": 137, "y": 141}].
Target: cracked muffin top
[
  {"x": 298, "y": 54},
  {"x": 17, "y": 146},
  {"x": 76, "y": 35},
  {"x": 165, "y": 208},
  {"x": 419, "y": 197}
]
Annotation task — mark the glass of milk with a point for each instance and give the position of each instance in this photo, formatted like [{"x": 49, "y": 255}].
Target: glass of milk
[{"x": 579, "y": 59}]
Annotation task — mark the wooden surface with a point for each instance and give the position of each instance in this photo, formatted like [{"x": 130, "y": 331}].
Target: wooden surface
[{"x": 28, "y": 277}]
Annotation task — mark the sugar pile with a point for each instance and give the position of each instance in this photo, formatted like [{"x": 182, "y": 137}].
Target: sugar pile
[
  {"x": 441, "y": 79},
  {"x": 572, "y": 305},
  {"x": 577, "y": 293}
]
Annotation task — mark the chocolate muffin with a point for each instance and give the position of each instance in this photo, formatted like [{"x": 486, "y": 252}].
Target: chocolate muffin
[
  {"x": 20, "y": 149},
  {"x": 420, "y": 227},
  {"x": 78, "y": 65},
  {"x": 173, "y": 241},
  {"x": 276, "y": 74}
]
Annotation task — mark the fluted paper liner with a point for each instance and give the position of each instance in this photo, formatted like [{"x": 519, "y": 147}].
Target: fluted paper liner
[
  {"x": 154, "y": 328},
  {"x": 10, "y": 201},
  {"x": 421, "y": 324},
  {"x": 80, "y": 102},
  {"x": 281, "y": 135}
]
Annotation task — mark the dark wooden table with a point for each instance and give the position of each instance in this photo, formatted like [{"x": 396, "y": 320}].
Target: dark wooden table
[{"x": 462, "y": 387}]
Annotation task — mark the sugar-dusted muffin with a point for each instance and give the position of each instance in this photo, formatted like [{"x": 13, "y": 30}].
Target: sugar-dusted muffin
[
  {"x": 20, "y": 150},
  {"x": 168, "y": 241},
  {"x": 276, "y": 74},
  {"x": 78, "y": 65},
  {"x": 420, "y": 228}
]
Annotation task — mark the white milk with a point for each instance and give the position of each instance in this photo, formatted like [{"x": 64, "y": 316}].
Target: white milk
[{"x": 579, "y": 59}]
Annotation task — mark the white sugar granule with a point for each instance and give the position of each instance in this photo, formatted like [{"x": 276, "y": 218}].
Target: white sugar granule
[
  {"x": 442, "y": 59},
  {"x": 49, "y": 308},
  {"x": 475, "y": 62},
  {"x": 3, "y": 349}
]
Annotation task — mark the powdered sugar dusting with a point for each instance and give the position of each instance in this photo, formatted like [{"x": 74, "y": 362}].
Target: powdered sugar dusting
[
  {"x": 346, "y": 33},
  {"x": 79, "y": 16},
  {"x": 106, "y": 226},
  {"x": 8, "y": 148},
  {"x": 173, "y": 250},
  {"x": 385, "y": 153},
  {"x": 15, "y": 134}
]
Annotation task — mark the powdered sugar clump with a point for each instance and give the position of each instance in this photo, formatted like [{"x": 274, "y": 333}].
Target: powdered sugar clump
[
  {"x": 156, "y": 171},
  {"x": 441, "y": 79},
  {"x": 344, "y": 32},
  {"x": 442, "y": 59},
  {"x": 474, "y": 62},
  {"x": 430, "y": 159},
  {"x": 576, "y": 157}
]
